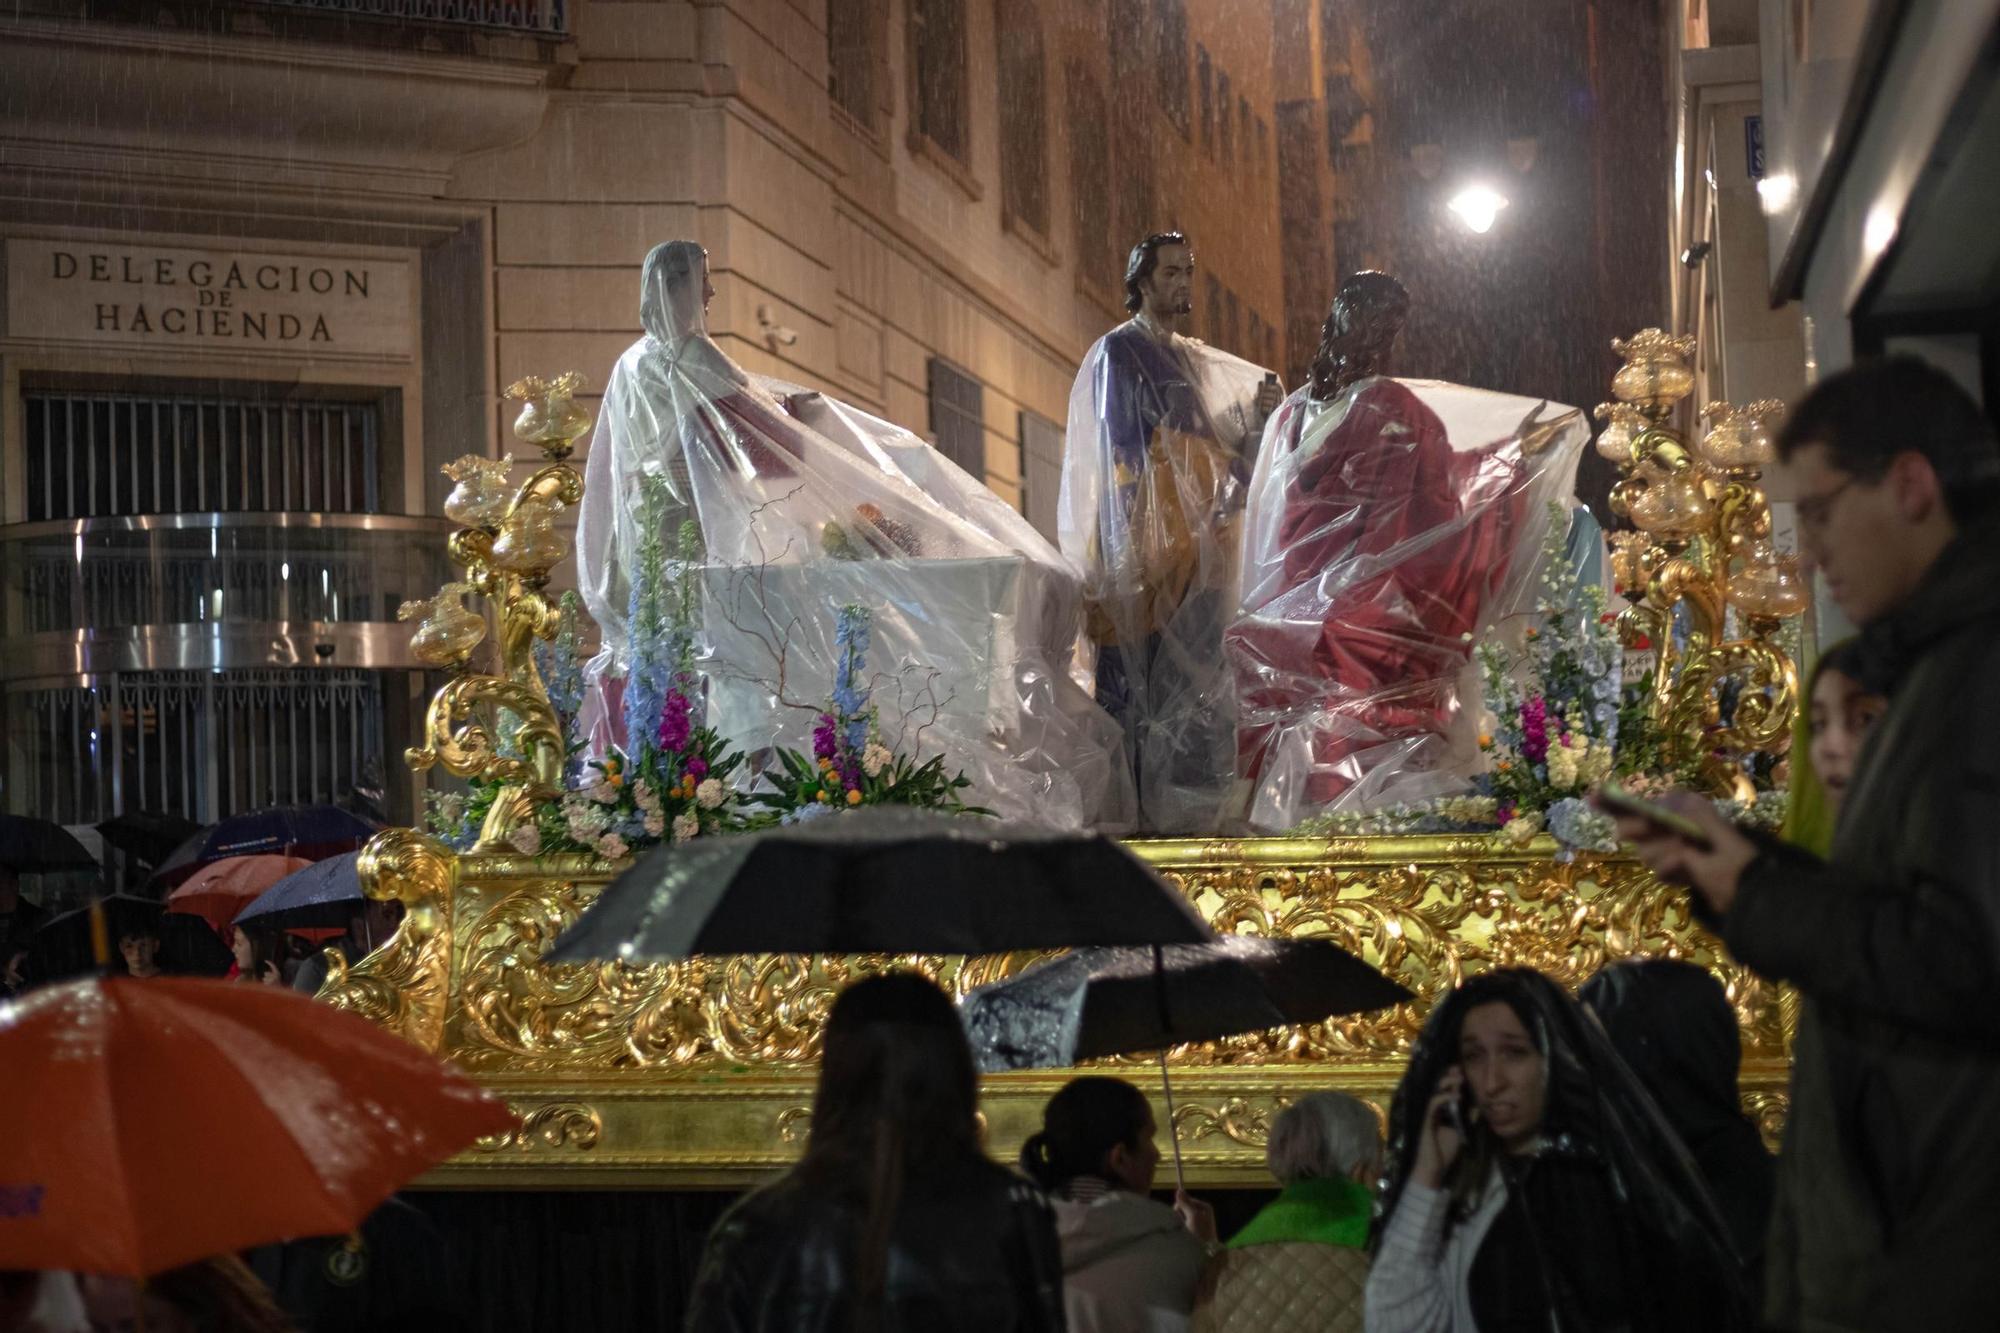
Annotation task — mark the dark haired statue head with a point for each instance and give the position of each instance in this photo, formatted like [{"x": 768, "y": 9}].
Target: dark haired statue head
[
  {"x": 1159, "y": 276},
  {"x": 1367, "y": 315}
]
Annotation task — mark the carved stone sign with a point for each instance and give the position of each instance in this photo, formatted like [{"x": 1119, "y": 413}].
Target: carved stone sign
[{"x": 239, "y": 301}]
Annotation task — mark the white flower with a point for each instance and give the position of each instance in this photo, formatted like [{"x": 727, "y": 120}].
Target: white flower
[
  {"x": 656, "y": 824},
  {"x": 709, "y": 794},
  {"x": 874, "y": 759},
  {"x": 644, "y": 796},
  {"x": 1565, "y": 762},
  {"x": 685, "y": 826},
  {"x": 527, "y": 839},
  {"x": 611, "y": 847},
  {"x": 1521, "y": 829},
  {"x": 602, "y": 792}
]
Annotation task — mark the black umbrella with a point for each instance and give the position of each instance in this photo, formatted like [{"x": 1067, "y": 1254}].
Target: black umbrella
[
  {"x": 188, "y": 946},
  {"x": 38, "y": 846},
  {"x": 1097, "y": 1002},
  {"x": 148, "y": 836},
  {"x": 882, "y": 879},
  {"x": 310, "y": 831},
  {"x": 322, "y": 894}
]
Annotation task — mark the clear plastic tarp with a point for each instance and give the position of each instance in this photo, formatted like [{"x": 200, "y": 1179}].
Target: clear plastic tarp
[
  {"x": 805, "y": 505},
  {"x": 1161, "y": 431},
  {"x": 1387, "y": 528}
]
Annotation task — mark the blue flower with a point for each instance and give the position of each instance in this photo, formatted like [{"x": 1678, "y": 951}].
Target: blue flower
[{"x": 805, "y": 814}]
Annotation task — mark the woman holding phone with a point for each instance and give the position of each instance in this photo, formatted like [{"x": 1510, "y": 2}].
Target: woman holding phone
[{"x": 1532, "y": 1184}]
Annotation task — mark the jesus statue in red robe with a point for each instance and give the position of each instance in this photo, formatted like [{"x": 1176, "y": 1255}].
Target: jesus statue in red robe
[{"x": 1376, "y": 547}]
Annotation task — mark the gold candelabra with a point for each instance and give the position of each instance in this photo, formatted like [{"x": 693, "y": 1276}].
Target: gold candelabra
[
  {"x": 1701, "y": 563},
  {"x": 507, "y": 544}
]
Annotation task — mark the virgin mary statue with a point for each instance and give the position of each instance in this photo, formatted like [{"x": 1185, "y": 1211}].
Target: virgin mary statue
[{"x": 803, "y": 506}]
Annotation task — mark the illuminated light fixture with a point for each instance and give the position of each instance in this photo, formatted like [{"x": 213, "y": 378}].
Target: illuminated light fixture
[
  {"x": 1478, "y": 207},
  {"x": 1878, "y": 231},
  {"x": 1777, "y": 193}
]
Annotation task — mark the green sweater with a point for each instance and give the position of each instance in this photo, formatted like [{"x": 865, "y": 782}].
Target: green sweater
[{"x": 1326, "y": 1212}]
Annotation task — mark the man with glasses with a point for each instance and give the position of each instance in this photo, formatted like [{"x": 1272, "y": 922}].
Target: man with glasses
[{"x": 1888, "y": 1210}]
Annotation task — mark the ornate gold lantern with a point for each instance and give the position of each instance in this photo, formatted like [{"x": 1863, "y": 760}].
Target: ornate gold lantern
[{"x": 1708, "y": 589}]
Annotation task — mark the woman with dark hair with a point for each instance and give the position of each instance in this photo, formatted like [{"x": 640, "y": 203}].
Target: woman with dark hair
[
  {"x": 1130, "y": 1263},
  {"x": 1672, "y": 1024},
  {"x": 261, "y": 953},
  {"x": 1533, "y": 1185},
  {"x": 1826, "y": 744},
  {"x": 895, "y": 1221}
]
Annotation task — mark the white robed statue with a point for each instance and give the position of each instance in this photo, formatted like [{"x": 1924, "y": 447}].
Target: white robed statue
[{"x": 804, "y": 505}]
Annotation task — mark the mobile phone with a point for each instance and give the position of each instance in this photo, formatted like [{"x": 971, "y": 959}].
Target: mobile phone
[{"x": 1619, "y": 801}]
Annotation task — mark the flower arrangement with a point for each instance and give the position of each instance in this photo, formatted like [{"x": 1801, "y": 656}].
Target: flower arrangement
[
  {"x": 673, "y": 779},
  {"x": 850, "y": 765},
  {"x": 1558, "y": 722}
]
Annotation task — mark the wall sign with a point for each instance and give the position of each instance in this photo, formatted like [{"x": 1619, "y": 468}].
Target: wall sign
[{"x": 238, "y": 301}]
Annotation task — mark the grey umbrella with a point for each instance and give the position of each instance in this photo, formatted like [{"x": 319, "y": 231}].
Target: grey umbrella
[
  {"x": 1098, "y": 1002},
  {"x": 321, "y": 894},
  {"x": 37, "y": 846},
  {"x": 881, "y": 879}
]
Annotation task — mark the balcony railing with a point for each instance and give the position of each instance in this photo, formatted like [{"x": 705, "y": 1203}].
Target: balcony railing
[
  {"x": 538, "y": 16},
  {"x": 93, "y": 588}
]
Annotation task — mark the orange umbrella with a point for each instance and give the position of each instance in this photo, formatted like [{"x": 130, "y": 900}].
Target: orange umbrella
[
  {"x": 231, "y": 1116},
  {"x": 221, "y": 889}
]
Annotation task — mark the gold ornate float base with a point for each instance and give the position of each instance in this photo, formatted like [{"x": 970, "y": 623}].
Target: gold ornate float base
[{"x": 700, "y": 1074}]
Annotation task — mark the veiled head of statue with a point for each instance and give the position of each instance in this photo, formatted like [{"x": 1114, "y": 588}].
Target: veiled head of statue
[
  {"x": 1159, "y": 274},
  {"x": 1368, "y": 312},
  {"x": 674, "y": 291}
]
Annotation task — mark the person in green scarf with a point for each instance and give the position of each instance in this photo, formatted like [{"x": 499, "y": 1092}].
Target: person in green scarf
[
  {"x": 1302, "y": 1261},
  {"x": 1826, "y": 743}
]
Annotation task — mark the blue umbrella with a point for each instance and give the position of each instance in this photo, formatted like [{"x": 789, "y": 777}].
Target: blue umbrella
[
  {"x": 301, "y": 830},
  {"x": 322, "y": 894}
]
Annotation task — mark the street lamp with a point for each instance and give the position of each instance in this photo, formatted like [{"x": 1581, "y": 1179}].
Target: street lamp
[{"x": 1478, "y": 206}]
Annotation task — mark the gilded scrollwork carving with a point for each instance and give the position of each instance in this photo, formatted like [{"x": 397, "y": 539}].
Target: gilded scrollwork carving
[
  {"x": 403, "y": 986},
  {"x": 556, "y": 1125}
]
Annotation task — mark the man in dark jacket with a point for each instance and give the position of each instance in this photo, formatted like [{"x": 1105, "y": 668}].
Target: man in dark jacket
[{"x": 1888, "y": 1210}]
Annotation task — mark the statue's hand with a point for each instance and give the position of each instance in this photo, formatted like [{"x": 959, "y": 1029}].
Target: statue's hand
[{"x": 1537, "y": 434}]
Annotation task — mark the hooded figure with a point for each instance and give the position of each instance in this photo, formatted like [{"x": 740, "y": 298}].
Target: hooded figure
[
  {"x": 1568, "y": 1208},
  {"x": 1671, "y": 1023},
  {"x": 968, "y": 622}
]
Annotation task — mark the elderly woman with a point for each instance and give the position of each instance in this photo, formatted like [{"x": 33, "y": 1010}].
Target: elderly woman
[{"x": 1301, "y": 1263}]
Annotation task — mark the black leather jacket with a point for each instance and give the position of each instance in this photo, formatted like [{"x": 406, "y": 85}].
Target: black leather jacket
[{"x": 976, "y": 1254}]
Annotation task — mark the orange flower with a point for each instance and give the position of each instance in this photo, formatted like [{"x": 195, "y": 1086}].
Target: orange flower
[
  {"x": 854, "y": 796},
  {"x": 1503, "y": 765},
  {"x": 819, "y": 795},
  {"x": 1485, "y": 741}
]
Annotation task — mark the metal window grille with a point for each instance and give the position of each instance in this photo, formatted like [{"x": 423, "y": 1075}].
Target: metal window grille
[
  {"x": 958, "y": 416},
  {"x": 203, "y": 744},
  {"x": 94, "y": 454},
  {"x": 1024, "y": 154},
  {"x": 937, "y": 55},
  {"x": 1041, "y": 471},
  {"x": 1171, "y": 34},
  {"x": 544, "y": 16}
]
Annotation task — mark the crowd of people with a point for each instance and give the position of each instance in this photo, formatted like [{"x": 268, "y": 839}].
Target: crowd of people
[{"x": 1548, "y": 1162}]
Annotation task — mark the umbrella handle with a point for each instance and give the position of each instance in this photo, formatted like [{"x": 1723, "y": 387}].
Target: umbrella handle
[{"x": 1173, "y": 1131}]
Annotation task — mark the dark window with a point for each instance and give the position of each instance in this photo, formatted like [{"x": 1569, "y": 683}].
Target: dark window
[
  {"x": 1263, "y": 148},
  {"x": 1226, "y": 141},
  {"x": 1215, "y": 330},
  {"x": 1253, "y": 346},
  {"x": 260, "y": 448},
  {"x": 854, "y": 58},
  {"x": 1024, "y": 153},
  {"x": 1090, "y": 179},
  {"x": 1041, "y": 471},
  {"x": 1135, "y": 191},
  {"x": 937, "y": 62},
  {"x": 1204, "y": 78},
  {"x": 1243, "y": 139},
  {"x": 1171, "y": 37},
  {"x": 958, "y": 417},
  {"x": 1229, "y": 324},
  {"x": 1128, "y": 40}
]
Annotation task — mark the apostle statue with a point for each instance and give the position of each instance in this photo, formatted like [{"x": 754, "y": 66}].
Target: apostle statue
[
  {"x": 802, "y": 505},
  {"x": 1152, "y": 489},
  {"x": 1389, "y": 523}
]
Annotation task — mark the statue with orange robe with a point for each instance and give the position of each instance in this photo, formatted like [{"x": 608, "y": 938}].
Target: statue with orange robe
[{"x": 1389, "y": 523}]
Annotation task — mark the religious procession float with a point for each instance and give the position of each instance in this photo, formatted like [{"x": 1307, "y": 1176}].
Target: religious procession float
[{"x": 1342, "y": 667}]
